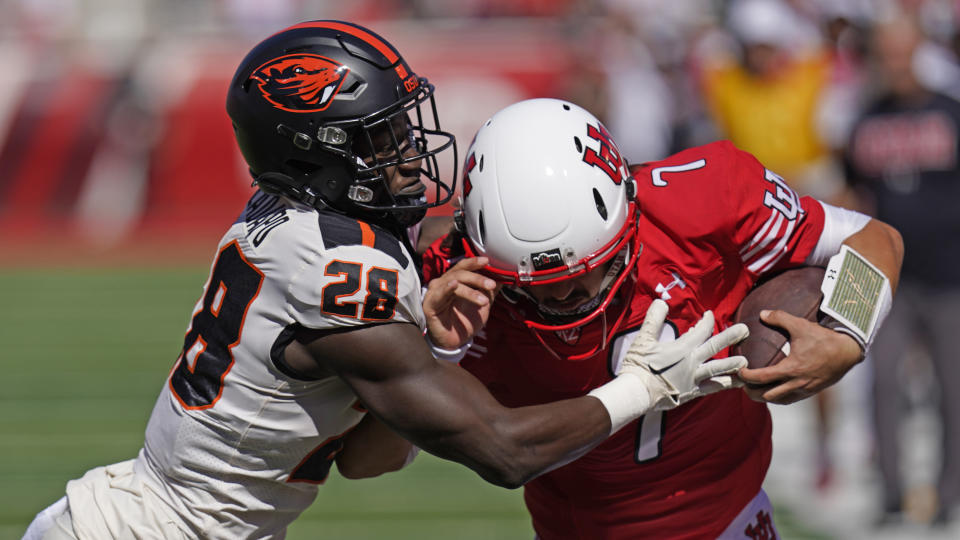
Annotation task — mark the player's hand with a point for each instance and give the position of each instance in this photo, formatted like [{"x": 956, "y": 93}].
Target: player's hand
[
  {"x": 818, "y": 358},
  {"x": 677, "y": 371},
  {"x": 457, "y": 303}
]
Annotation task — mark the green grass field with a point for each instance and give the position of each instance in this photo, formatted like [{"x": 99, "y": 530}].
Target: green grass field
[{"x": 84, "y": 353}]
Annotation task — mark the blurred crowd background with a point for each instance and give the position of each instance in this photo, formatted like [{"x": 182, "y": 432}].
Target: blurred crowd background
[
  {"x": 115, "y": 146},
  {"x": 111, "y": 112}
]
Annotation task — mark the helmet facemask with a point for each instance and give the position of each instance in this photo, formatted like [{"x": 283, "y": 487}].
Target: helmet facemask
[
  {"x": 611, "y": 271},
  {"x": 388, "y": 142},
  {"x": 619, "y": 261}
]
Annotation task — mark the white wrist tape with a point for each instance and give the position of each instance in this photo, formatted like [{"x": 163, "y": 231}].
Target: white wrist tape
[
  {"x": 856, "y": 294},
  {"x": 829, "y": 322},
  {"x": 626, "y": 398},
  {"x": 411, "y": 455},
  {"x": 453, "y": 356}
]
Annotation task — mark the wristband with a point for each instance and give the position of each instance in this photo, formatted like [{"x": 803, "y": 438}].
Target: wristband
[
  {"x": 453, "y": 356},
  {"x": 411, "y": 455},
  {"x": 856, "y": 295},
  {"x": 626, "y": 398},
  {"x": 829, "y": 322}
]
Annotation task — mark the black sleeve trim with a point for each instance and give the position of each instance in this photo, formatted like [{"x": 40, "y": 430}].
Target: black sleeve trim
[{"x": 277, "y": 356}]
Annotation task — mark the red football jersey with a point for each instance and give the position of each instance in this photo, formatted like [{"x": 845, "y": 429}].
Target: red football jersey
[{"x": 713, "y": 220}]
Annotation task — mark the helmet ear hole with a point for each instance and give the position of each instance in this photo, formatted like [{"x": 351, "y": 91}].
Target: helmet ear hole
[
  {"x": 482, "y": 228},
  {"x": 576, "y": 141},
  {"x": 601, "y": 207},
  {"x": 303, "y": 167}
]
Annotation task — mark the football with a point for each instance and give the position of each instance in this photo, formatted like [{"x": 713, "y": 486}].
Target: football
[{"x": 796, "y": 291}]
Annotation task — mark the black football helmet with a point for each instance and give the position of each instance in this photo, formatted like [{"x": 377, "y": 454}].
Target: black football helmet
[{"x": 322, "y": 110}]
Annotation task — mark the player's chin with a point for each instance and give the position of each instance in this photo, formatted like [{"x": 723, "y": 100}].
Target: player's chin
[
  {"x": 408, "y": 185},
  {"x": 564, "y": 309}
]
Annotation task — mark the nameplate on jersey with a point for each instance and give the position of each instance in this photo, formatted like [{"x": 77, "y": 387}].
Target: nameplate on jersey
[{"x": 263, "y": 214}]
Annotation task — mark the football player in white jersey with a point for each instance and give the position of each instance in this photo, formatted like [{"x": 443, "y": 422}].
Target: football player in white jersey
[{"x": 308, "y": 345}]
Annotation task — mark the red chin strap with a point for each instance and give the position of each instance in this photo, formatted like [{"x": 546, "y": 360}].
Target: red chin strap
[{"x": 599, "y": 314}]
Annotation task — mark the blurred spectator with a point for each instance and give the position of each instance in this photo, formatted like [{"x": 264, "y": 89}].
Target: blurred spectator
[
  {"x": 903, "y": 159},
  {"x": 844, "y": 24},
  {"x": 766, "y": 98},
  {"x": 585, "y": 79},
  {"x": 613, "y": 73},
  {"x": 935, "y": 60}
]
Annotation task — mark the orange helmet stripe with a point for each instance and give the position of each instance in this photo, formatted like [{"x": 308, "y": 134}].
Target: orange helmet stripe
[{"x": 367, "y": 37}]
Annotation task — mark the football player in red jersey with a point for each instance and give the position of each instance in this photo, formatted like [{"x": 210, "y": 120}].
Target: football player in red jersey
[
  {"x": 583, "y": 245},
  {"x": 308, "y": 339}
]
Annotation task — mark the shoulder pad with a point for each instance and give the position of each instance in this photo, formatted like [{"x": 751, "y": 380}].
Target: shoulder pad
[{"x": 340, "y": 230}]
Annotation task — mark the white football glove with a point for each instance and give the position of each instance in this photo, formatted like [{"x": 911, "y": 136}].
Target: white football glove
[{"x": 678, "y": 371}]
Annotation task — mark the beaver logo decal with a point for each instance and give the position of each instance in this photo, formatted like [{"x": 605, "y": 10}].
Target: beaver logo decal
[{"x": 300, "y": 82}]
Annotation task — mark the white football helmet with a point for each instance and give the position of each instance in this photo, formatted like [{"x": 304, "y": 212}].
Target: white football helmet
[{"x": 548, "y": 197}]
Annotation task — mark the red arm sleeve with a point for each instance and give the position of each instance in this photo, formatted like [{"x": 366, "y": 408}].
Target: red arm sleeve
[{"x": 442, "y": 254}]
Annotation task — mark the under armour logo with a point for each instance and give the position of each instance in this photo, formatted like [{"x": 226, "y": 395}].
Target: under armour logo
[{"x": 663, "y": 290}]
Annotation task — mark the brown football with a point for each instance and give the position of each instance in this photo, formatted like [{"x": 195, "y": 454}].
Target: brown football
[{"x": 796, "y": 291}]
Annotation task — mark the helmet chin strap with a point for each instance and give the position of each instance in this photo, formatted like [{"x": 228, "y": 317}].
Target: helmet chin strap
[
  {"x": 409, "y": 218},
  {"x": 415, "y": 203},
  {"x": 606, "y": 333},
  {"x": 277, "y": 183},
  {"x": 618, "y": 272},
  {"x": 281, "y": 184},
  {"x": 616, "y": 266}
]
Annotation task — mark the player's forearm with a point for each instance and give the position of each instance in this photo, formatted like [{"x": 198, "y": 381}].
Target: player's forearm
[
  {"x": 517, "y": 445},
  {"x": 862, "y": 257},
  {"x": 371, "y": 449},
  {"x": 882, "y": 245},
  {"x": 445, "y": 410},
  {"x": 449, "y": 413}
]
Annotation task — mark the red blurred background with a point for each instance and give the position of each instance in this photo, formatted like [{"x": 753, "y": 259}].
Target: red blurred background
[{"x": 114, "y": 142}]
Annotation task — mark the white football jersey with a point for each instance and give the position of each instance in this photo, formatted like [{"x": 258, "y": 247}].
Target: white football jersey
[{"x": 237, "y": 442}]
